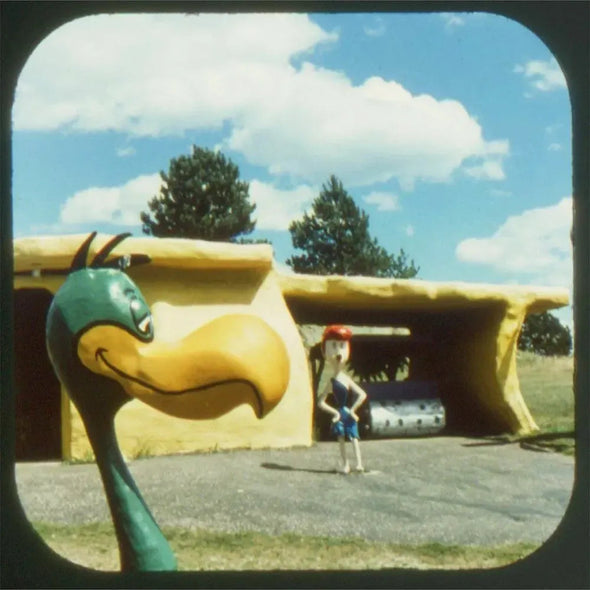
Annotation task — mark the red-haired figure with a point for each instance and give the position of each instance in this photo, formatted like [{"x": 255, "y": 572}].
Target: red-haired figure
[{"x": 336, "y": 351}]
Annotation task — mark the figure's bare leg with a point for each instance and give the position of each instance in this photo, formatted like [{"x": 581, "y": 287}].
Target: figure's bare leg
[
  {"x": 357, "y": 455},
  {"x": 344, "y": 466}
]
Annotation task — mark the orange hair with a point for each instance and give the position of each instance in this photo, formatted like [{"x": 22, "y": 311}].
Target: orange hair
[{"x": 336, "y": 332}]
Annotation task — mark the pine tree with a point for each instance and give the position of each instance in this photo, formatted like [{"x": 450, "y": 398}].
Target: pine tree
[
  {"x": 335, "y": 239},
  {"x": 202, "y": 198}
]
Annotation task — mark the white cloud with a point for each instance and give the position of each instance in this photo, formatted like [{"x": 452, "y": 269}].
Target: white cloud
[
  {"x": 490, "y": 169},
  {"x": 543, "y": 75},
  {"x": 125, "y": 152},
  {"x": 276, "y": 208},
  {"x": 120, "y": 205},
  {"x": 320, "y": 123},
  {"x": 551, "y": 129},
  {"x": 535, "y": 243},
  {"x": 156, "y": 75},
  {"x": 410, "y": 231},
  {"x": 452, "y": 20},
  {"x": 376, "y": 29},
  {"x": 383, "y": 201},
  {"x": 554, "y": 147}
]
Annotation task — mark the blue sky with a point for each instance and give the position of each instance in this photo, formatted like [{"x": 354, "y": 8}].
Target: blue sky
[{"x": 452, "y": 131}]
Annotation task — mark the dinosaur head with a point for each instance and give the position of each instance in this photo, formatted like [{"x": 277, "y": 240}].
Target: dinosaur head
[{"x": 101, "y": 341}]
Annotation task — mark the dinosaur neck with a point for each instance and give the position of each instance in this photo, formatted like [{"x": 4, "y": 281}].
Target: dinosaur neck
[{"x": 142, "y": 546}]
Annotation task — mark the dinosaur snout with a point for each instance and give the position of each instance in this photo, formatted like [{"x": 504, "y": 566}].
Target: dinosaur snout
[{"x": 232, "y": 360}]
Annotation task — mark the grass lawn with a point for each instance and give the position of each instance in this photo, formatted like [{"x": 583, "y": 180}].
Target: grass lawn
[
  {"x": 95, "y": 546},
  {"x": 547, "y": 387}
]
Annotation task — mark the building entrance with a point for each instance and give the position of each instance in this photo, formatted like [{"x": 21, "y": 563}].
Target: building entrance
[{"x": 38, "y": 392}]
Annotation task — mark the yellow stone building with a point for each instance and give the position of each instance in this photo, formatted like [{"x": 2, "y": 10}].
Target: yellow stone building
[{"x": 471, "y": 331}]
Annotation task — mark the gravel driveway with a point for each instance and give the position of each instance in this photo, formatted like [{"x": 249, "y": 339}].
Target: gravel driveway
[{"x": 450, "y": 490}]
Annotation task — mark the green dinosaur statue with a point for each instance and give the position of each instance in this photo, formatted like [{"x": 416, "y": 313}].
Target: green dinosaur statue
[{"x": 100, "y": 339}]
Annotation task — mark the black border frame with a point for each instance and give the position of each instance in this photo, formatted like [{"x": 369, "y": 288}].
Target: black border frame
[{"x": 562, "y": 562}]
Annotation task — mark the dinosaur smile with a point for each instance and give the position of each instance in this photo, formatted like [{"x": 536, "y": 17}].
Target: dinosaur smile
[
  {"x": 230, "y": 361},
  {"x": 208, "y": 388}
]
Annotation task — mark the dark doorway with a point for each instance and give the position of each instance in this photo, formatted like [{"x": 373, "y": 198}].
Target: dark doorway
[{"x": 38, "y": 394}]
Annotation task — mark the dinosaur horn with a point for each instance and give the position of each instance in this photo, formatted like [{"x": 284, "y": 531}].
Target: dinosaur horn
[
  {"x": 79, "y": 260},
  {"x": 100, "y": 258}
]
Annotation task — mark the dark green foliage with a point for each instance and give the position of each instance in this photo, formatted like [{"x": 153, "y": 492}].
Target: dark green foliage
[
  {"x": 375, "y": 365},
  {"x": 542, "y": 333},
  {"x": 335, "y": 239},
  {"x": 252, "y": 241},
  {"x": 201, "y": 198}
]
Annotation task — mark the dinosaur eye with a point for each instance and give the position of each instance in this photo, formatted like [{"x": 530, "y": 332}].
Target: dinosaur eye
[
  {"x": 141, "y": 315},
  {"x": 145, "y": 324}
]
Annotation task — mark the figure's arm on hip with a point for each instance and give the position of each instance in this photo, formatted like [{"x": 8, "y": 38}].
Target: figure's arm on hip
[
  {"x": 325, "y": 406},
  {"x": 361, "y": 396}
]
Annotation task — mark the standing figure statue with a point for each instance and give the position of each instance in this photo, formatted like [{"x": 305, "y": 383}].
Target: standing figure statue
[{"x": 336, "y": 351}]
